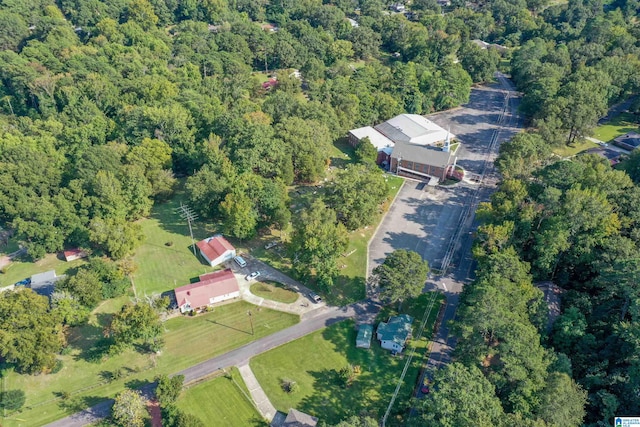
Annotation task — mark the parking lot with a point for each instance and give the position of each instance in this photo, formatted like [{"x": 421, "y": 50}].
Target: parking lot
[{"x": 424, "y": 220}]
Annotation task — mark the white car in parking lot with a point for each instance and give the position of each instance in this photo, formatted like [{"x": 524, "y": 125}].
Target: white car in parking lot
[{"x": 252, "y": 276}]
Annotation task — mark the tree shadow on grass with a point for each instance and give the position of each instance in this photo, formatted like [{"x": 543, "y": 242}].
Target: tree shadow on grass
[
  {"x": 346, "y": 290},
  {"x": 90, "y": 339},
  {"x": 74, "y": 404}
]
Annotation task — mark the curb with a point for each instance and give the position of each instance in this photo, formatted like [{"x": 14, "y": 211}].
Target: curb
[{"x": 384, "y": 216}]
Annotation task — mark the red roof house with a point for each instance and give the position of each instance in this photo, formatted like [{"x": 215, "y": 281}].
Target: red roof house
[
  {"x": 73, "y": 254},
  {"x": 216, "y": 250},
  {"x": 212, "y": 288},
  {"x": 271, "y": 83}
]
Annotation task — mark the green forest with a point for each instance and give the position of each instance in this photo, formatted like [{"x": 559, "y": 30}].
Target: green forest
[{"x": 108, "y": 107}]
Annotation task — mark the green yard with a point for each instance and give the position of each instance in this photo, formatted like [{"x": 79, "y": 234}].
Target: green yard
[
  {"x": 20, "y": 269},
  {"x": 313, "y": 362},
  {"x": 274, "y": 291},
  {"x": 165, "y": 259},
  {"x": 221, "y": 402},
  {"x": 188, "y": 341},
  {"x": 572, "y": 150},
  {"x": 619, "y": 125}
]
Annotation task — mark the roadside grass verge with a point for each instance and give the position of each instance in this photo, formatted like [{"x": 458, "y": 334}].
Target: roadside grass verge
[
  {"x": 313, "y": 363},
  {"x": 618, "y": 125},
  {"x": 221, "y": 402},
  {"x": 88, "y": 379},
  {"x": 573, "y": 149},
  {"x": 274, "y": 291}
]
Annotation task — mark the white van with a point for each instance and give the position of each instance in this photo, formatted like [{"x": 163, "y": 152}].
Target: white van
[{"x": 240, "y": 261}]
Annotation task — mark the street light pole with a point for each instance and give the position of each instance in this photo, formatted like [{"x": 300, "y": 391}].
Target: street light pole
[{"x": 250, "y": 321}]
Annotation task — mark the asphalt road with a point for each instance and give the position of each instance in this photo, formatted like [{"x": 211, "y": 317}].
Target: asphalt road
[{"x": 505, "y": 125}]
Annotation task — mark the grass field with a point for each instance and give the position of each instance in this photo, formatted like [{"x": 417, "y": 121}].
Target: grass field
[
  {"x": 221, "y": 402},
  {"x": 274, "y": 291},
  {"x": 188, "y": 340},
  {"x": 313, "y": 362},
  {"x": 21, "y": 269},
  {"x": 619, "y": 125},
  {"x": 162, "y": 267},
  {"x": 572, "y": 150}
]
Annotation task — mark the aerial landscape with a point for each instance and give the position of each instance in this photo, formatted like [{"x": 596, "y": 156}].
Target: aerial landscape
[{"x": 332, "y": 213}]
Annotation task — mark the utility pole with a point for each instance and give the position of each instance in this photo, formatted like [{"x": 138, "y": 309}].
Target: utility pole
[
  {"x": 250, "y": 321},
  {"x": 187, "y": 213}
]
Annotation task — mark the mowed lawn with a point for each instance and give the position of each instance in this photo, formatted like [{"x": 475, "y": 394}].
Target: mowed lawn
[
  {"x": 274, "y": 291},
  {"x": 314, "y": 360},
  {"x": 221, "y": 402},
  {"x": 165, "y": 259},
  {"x": 188, "y": 341},
  {"x": 20, "y": 269},
  {"x": 573, "y": 149},
  {"x": 619, "y": 125}
]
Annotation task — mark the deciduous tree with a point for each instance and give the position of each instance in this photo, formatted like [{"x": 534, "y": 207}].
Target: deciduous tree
[
  {"x": 129, "y": 409},
  {"x": 402, "y": 275}
]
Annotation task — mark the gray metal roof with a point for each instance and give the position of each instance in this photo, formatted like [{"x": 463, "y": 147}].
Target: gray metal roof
[
  {"x": 426, "y": 155},
  {"x": 413, "y": 128}
]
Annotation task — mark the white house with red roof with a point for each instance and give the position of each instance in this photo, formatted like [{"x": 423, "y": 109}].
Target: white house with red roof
[
  {"x": 211, "y": 289},
  {"x": 73, "y": 254},
  {"x": 216, "y": 250}
]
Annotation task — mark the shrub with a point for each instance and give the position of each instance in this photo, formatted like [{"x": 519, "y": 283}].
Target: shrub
[
  {"x": 289, "y": 386},
  {"x": 57, "y": 367},
  {"x": 12, "y": 400},
  {"x": 169, "y": 244}
]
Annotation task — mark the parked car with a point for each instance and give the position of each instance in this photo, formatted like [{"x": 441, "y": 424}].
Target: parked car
[
  {"x": 240, "y": 261},
  {"x": 24, "y": 282},
  {"x": 425, "y": 389},
  {"x": 314, "y": 297},
  {"x": 271, "y": 245},
  {"x": 252, "y": 275}
]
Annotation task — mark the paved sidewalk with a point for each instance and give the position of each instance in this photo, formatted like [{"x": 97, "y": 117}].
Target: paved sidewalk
[{"x": 258, "y": 395}]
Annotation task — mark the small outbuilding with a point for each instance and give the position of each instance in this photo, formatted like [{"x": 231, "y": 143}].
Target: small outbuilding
[
  {"x": 394, "y": 334},
  {"x": 74, "y": 254},
  {"x": 216, "y": 250},
  {"x": 363, "y": 340}
]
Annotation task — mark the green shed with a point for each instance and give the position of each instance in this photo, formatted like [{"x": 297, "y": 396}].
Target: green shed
[{"x": 365, "y": 332}]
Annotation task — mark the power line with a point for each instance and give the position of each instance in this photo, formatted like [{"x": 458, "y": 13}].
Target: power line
[
  {"x": 425, "y": 318},
  {"x": 187, "y": 213}
]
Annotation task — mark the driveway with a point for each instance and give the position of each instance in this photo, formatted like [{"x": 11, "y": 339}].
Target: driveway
[{"x": 304, "y": 306}]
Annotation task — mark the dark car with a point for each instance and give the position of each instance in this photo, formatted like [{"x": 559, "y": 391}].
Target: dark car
[{"x": 24, "y": 282}]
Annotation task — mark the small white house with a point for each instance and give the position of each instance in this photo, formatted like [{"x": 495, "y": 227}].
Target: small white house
[
  {"x": 394, "y": 334},
  {"x": 216, "y": 250}
]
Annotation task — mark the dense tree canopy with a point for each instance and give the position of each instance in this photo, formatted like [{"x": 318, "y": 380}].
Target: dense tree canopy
[{"x": 30, "y": 335}]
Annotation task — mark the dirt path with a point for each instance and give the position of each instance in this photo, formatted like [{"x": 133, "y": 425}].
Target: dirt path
[{"x": 156, "y": 415}]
